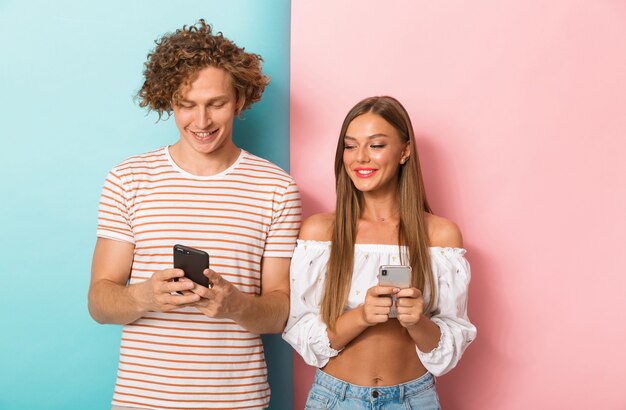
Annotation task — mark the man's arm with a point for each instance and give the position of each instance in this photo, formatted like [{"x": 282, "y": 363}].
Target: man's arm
[
  {"x": 112, "y": 301},
  {"x": 266, "y": 313}
]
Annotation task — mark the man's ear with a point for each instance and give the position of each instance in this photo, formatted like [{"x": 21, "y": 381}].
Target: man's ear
[{"x": 239, "y": 106}]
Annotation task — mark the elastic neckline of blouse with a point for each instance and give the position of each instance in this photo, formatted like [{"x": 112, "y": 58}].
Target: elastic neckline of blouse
[{"x": 377, "y": 247}]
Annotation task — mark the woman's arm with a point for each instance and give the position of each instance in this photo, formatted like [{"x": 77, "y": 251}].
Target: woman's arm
[
  {"x": 305, "y": 330},
  {"x": 374, "y": 310},
  {"x": 441, "y": 339}
]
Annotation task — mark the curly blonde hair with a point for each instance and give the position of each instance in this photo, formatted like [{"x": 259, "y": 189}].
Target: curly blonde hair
[{"x": 177, "y": 58}]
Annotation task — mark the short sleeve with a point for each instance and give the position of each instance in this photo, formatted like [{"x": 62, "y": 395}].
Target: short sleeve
[
  {"x": 113, "y": 212},
  {"x": 452, "y": 273},
  {"x": 283, "y": 232},
  {"x": 305, "y": 330}
]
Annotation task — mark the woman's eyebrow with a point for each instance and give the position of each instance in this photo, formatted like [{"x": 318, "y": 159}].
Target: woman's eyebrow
[{"x": 347, "y": 137}]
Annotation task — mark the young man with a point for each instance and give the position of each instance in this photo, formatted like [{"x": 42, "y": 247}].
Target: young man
[{"x": 185, "y": 345}]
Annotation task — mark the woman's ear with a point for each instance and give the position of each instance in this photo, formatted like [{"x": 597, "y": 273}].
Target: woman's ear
[{"x": 406, "y": 152}]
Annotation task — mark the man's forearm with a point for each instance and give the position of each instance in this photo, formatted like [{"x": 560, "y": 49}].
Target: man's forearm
[
  {"x": 264, "y": 314},
  {"x": 112, "y": 303}
]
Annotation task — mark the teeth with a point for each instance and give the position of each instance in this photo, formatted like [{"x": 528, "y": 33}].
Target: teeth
[
  {"x": 203, "y": 134},
  {"x": 365, "y": 171}
]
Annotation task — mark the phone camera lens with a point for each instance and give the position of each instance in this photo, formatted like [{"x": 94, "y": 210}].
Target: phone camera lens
[
  {"x": 186, "y": 252},
  {"x": 384, "y": 272},
  {"x": 179, "y": 250}
]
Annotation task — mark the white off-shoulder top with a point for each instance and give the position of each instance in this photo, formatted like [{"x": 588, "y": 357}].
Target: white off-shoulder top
[{"x": 307, "y": 333}]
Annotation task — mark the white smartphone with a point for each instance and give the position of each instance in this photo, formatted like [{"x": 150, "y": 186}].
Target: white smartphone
[{"x": 398, "y": 276}]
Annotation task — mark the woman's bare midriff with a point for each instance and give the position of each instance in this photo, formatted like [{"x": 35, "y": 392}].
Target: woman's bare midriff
[{"x": 383, "y": 355}]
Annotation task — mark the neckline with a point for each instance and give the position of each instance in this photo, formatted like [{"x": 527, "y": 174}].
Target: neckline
[
  {"x": 380, "y": 247},
  {"x": 170, "y": 160}
]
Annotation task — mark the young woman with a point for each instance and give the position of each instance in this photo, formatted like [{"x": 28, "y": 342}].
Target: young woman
[{"x": 339, "y": 319}]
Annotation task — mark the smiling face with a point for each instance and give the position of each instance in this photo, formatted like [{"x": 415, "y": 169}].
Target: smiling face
[
  {"x": 373, "y": 154},
  {"x": 205, "y": 113}
]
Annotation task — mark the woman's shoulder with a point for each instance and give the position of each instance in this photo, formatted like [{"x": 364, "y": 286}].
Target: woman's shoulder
[
  {"x": 442, "y": 232},
  {"x": 318, "y": 227}
]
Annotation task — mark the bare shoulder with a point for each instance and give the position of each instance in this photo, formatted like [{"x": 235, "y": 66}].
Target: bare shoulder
[
  {"x": 318, "y": 227},
  {"x": 443, "y": 232}
]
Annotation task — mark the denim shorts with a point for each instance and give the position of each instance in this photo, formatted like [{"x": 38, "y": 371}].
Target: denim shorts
[{"x": 329, "y": 392}]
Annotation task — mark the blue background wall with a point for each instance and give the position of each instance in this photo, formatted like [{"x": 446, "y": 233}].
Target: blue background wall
[{"x": 68, "y": 73}]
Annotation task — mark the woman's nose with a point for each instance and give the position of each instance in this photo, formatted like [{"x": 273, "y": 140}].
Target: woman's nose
[{"x": 362, "y": 155}]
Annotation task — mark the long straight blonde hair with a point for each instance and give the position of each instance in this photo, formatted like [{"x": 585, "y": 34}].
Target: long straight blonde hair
[{"x": 412, "y": 231}]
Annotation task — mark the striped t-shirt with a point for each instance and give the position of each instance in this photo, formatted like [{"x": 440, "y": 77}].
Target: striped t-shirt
[{"x": 184, "y": 359}]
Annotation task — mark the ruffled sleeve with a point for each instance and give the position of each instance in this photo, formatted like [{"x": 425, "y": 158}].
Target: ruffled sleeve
[
  {"x": 452, "y": 273},
  {"x": 305, "y": 330}
]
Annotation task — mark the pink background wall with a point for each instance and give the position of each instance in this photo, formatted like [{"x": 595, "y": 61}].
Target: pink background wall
[{"x": 520, "y": 112}]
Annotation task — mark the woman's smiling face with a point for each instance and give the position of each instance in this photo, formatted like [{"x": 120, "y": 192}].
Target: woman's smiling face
[{"x": 373, "y": 153}]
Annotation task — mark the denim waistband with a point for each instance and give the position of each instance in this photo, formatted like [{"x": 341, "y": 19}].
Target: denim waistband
[{"x": 380, "y": 393}]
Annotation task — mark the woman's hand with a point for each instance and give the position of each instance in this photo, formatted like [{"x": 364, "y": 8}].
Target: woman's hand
[
  {"x": 410, "y": 306},
  {"x": 377, "y": 304}
]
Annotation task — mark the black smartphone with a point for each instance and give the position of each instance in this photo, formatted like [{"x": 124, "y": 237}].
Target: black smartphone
[{"x": 193, "y": 262}]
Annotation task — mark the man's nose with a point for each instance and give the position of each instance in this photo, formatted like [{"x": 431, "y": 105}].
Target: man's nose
[{"x": 203, "y": 118}]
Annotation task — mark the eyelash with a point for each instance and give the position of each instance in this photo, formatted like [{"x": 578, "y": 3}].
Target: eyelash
[
  {"x": 188, "y": 107},
  {"x": 374, "y": 146}
]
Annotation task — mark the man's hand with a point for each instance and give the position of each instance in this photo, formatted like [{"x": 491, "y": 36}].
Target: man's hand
[
  {"x": 264, "y": 313},
  {"x": 220, "y": 300},
  {"x": 111, "y": 300},
  {"x": 157, "y": 294}
]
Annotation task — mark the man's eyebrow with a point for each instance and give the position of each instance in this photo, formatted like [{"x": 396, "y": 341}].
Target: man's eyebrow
[{"x": 218, "y": 98}]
